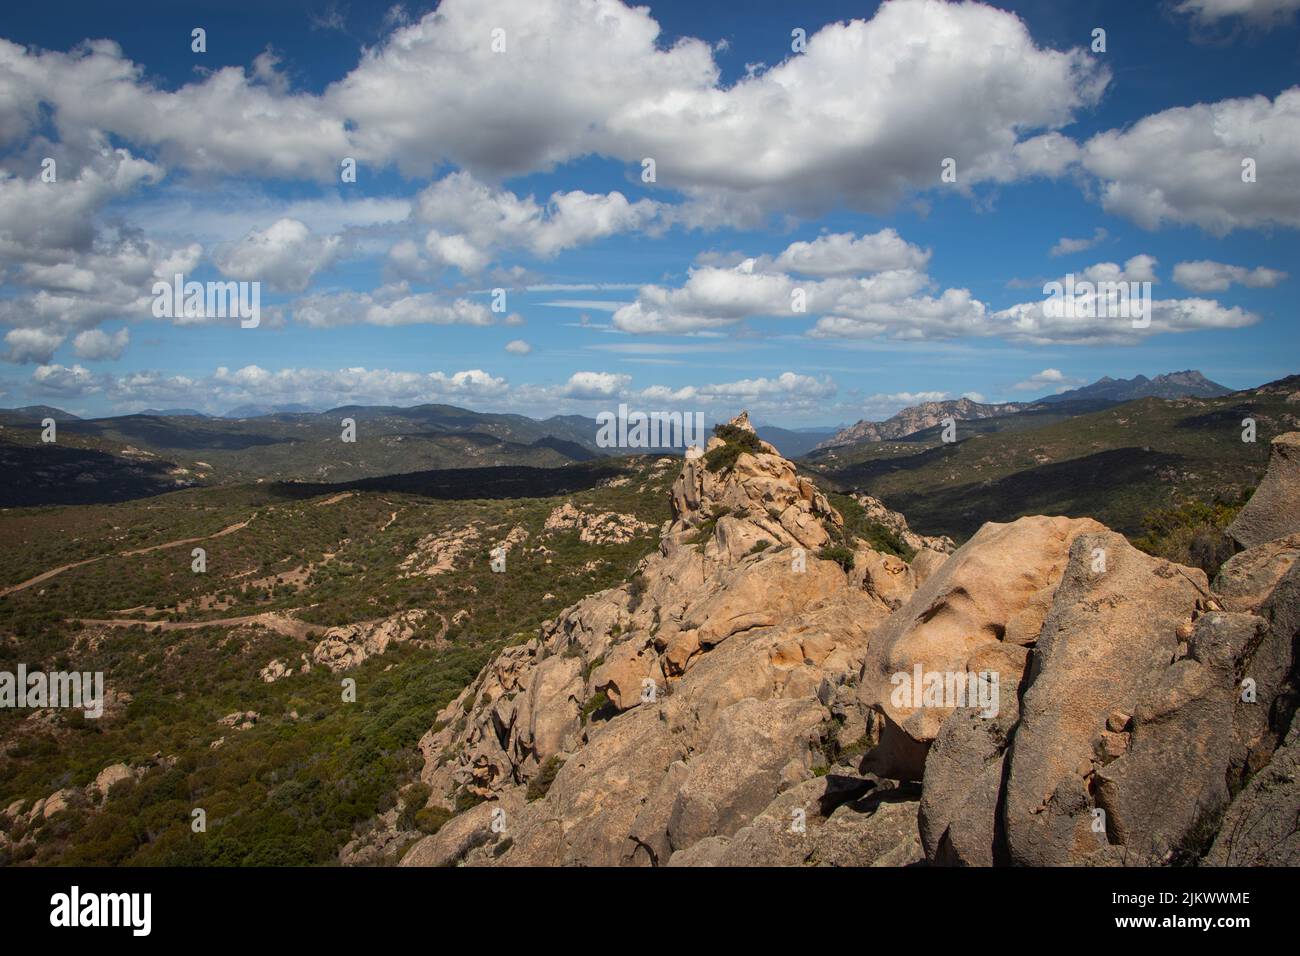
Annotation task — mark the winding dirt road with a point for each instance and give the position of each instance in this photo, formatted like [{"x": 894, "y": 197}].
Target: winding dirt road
[{"x": 46, "y": 575}]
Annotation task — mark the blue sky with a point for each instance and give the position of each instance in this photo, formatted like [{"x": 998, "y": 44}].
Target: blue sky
[{"x": 520, "y": 168}]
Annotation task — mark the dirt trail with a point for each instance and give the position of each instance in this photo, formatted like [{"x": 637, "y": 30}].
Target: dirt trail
[
  {"x": 273, "y": 620},
  {"x": 46, "y": 575},
  {"x": 333, "y": 499}
]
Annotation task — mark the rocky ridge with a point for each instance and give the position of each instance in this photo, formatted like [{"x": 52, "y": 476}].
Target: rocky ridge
[
  {"x": 738, "y": 701},
  {"x": 917, "y": 418}
]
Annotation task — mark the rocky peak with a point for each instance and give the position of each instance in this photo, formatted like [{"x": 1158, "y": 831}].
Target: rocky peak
[
  {"x": 742, "y": 421},
  {"x": 648, "y": 716},
  {"x": 742, "y": 492}
]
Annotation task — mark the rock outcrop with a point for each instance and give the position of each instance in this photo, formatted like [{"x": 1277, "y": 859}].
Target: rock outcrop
[
  {"x": 437, "y": 554},
  {"x": 876, "y": 511},
  {"x": 20, "y": 824},
  {"x": 606, "y": 527},
  {"x": 1047, "y": 694},
  {"x": 1146, "y": 701},
  {"x": 1274, "y": 509},
  {"x": 344, "y": 647},
  {"x": 916, "y": 418},
  {"x": 980, "y": 611},
  {"x": 677, "y": 708},
  {"x": 1262, "y": 827}
]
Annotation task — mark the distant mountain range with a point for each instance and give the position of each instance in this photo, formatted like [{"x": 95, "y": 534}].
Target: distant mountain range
[
  {"x": 793, "y": 442},
  {"x": 1114, "y": 461},
  {"x": 37, "y": 413},
  {"x": 259, "y": 411},
  {"x": 129, "y": 456},
  {"x": 174, "y": 412},
  {"x": 917, "y": 418},
  {"x": 1188, "y": 384}
]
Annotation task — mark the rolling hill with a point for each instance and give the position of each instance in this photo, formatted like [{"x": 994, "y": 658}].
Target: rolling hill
[{"x": 130, "y": 456}]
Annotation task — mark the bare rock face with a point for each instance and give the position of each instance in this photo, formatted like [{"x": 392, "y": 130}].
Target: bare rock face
[
  {"x": 437, "y": 554},
  {"x": 1105, "y": 646},
  {"x": 1273, "y": 671},
  {"x": 480, "y": 826},
  {"x": 925, "y": 563},
  {"x": 1265, "y": 581},
  {"x": 821, "y": 822},
  {"x": 1262, "y": 827},
  {"x": 757, "y": 748},
  {"x": 886, "y": 576},
  {"x": 1247, "y": 579},
  {"x": 608, "y": 527},
  {"x": 106, "y": 778},
  {"x": 995, "y": 590},
  {"x": 673, "y": 709},
  {"x": 1129, "y": 720},
  {"x": 964, "y": 773},
  {"x": 1274, "y": 509},
  {"x": 916, "y": 418}
]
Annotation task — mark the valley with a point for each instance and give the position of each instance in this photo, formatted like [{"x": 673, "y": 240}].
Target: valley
[{"x": 295, "y": 582}]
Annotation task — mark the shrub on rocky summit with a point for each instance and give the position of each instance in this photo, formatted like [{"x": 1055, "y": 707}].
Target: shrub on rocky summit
[{"x": 736, "y": 441}]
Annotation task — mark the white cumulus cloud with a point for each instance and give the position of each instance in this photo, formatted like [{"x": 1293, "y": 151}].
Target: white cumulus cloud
[
  {"x": 1205, "y": 275},
  {"x": 97, "y": 345}
]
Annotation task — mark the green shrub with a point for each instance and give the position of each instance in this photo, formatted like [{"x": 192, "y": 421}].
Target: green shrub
[
  {"x": 597, "y": 702},
  {"x": 465, "y": 800},
  {"x": 431, "y": 819},
  {"x": 540, "y": 785},
  {"x": 414, "y": 798},
  {"x": 839, "y": 554},
  {"x": 873, "y": 534},
  {"x": 1192, "y": 534}
]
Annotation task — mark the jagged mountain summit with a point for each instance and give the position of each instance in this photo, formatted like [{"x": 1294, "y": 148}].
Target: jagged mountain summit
[
  {"x": 768, "y": 689},
  {"x": 917, "y": 418},
  {"x": 1186, "y": 384}
]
